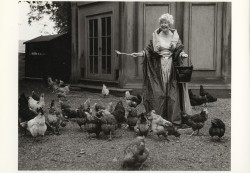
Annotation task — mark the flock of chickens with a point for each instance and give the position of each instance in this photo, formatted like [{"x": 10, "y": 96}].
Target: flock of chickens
[{"x": 99, "y": 119}]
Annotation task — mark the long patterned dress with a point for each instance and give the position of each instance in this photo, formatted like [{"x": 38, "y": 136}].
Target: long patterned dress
[{"x": 162, "y": 91}]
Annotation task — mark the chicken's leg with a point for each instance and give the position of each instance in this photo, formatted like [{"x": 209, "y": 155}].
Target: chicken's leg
[{"x": 110, "y": 137}]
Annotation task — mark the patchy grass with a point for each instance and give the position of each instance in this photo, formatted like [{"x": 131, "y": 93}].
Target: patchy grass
[{"x": 62, "y": 152}]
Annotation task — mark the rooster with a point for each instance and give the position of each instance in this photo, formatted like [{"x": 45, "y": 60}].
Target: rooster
[
  {"x": 209, "y": 97},
  {"x": 196, "y": 122},
  {"x": 135, "y": 154},
  {"x": 131, "y": 100},
  {"x": 36, "y": 126},
  {"x": 105, "y": 91},
  {"x": 142, "y": 125},
  {"x": 159, "y": 125},
  {"x": 34, "y": 105},
  {"x": 119, "y": 113},
  {"x": 217, "y": 128}
]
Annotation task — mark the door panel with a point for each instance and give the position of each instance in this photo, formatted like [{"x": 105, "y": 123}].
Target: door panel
[
  {"x": 203, "y": 35},
  {"x": 202, "y": 31},
  {"x": 99, "y": 47}
]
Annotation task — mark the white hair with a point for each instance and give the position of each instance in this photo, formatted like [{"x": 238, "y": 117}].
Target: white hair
[{"x": 167, "y": 17}]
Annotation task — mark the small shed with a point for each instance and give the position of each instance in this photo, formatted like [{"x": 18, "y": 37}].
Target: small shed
[{"x": 48, "y": 56}]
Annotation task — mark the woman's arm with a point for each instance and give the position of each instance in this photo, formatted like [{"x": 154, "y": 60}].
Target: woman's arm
[{"x": 138, "y": 54}]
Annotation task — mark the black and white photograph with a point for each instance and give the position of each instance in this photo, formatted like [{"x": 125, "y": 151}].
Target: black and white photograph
[{"x": 128, "y": 86}]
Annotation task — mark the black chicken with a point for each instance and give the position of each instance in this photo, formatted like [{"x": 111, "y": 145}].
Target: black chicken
[
  {"x": 119, "y": 113},
  {"x": 35, "y": 96},
  {"x": 196, "y": 100},
  {"x": 24, "y": 113},
  {"x": 209, "y": 97},
  {"x": 196, "y": 122},
  {"x": 217, "y": 128},
  {"x": 131, "y": 100},
  {"x": 173, "y": 131}
]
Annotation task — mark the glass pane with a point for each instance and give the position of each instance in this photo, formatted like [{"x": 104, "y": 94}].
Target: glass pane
[
  {"x": 103, "y": 64},
  {"x": 108, "y": 25},
  {"x": 96, "y": 64},
  {"x": 104, "y": 45},
  {"x": 96, "y": 46},
  {"x": 95, "y": 28},
  {"x": 109, "y": 45},
  {"x": 109, "y": 64},
  {"x": 91, "y": 63},
  {"x": 90, "y": 46},
  {"x": 90, "y": 28},
  {"x": 103, "y": 27}
]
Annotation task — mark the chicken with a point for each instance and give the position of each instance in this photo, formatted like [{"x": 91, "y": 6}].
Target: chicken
[
  {"x": 55, "y": 119},
  {"x": 92, "y": 124},
  {"x": 52, "y": 84},
  {"x": 173, "y": 131},
  {"x": 80, "y": 119},
  {"x": 209, "y": 97},
  {"x": 217, "y": 128},
  {"x": 61, "y": 95},
  {"x": 36, "y": 126},
  {"x": 98, "y": 107},
  {"x": 110, "y": 107},
  {"x": 201, "y": 117},
  {"x": 196, "y": 122},
  {"x": 86, "y": 106},
  {"x": 119, "y": 113},
  {"x": 142, "y": 125},
  {"x": 63, "y": 89},
  {"x": 34, "y": 105},
  {"x": 108, "y": 122},
  {"x": 196, "y": 100},
  {"x": 105, "y": 91},
  {"x": 81, "y": 115},
  {"x": 135, "y": 154},
  {"x": 64, "y": 105},
  {"x": 132, "y": 118},
  {"x": 24, "y": 113},
  {"x": 35, "y": 96},
  {"x": 67, "y": 111},
  {"x": 131, "y": 100},
  {"x": 159, "y": 125}
]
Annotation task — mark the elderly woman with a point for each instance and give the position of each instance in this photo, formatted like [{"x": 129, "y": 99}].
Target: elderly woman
[{"x": 162, "y": 91}]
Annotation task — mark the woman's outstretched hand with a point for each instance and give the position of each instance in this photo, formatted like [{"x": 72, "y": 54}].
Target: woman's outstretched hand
[{"x": 136, "y": 54}]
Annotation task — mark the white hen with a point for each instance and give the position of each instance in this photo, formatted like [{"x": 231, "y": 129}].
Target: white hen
[
  {"x": 36, "y": 126},
  {"x": 105, "y": 90},
  {"x": 34, "y": 105}
]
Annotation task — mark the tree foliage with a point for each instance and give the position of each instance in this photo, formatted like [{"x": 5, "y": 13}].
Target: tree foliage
[{"x": 59, "y": 12}]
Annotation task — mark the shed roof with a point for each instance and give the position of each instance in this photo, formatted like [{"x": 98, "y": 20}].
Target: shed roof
[{"x": 44, "y": 38}]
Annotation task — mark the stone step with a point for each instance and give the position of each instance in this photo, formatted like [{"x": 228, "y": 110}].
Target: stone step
[
  {"x": 98, "y": 82},
  {"x": 93, "y": 88}
]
